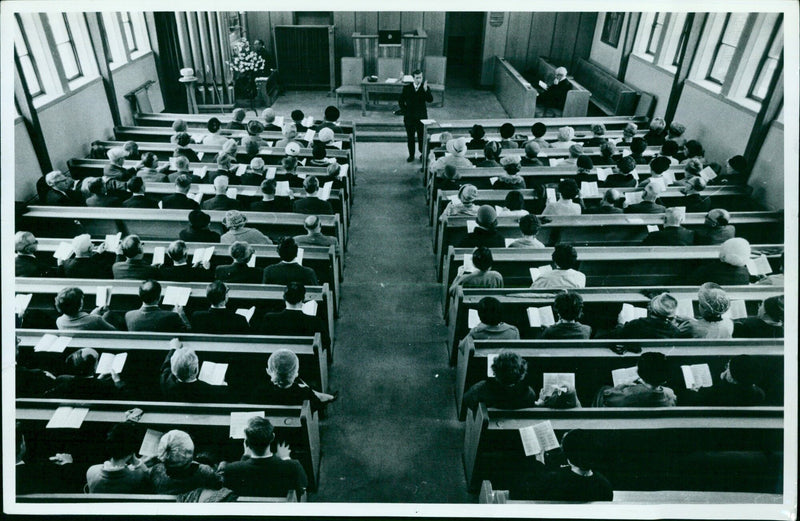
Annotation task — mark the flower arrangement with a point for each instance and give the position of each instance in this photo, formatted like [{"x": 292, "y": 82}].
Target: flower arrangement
[{"x": 245, "y": 60}]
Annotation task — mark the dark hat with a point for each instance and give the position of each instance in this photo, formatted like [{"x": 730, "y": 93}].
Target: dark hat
[
  {"x": 486, "y": 217},
  {"x": 538, "y": 129},
  {"x": 774, "y": 307},
  {"x": 744, "y": 369},
  {"x": 652, "y": 367},
  {"x": 199, "y": 219},
  {"x": 585, "y": 162},
  {"x": 659, "y": 164},
  {"x": 254, "y": 127},
  {"x": 626, "y": 165},
  {"x": 507, "y": 130},
  {"x": 738, "y": 163},
  {"x": 477, "y": 131}
]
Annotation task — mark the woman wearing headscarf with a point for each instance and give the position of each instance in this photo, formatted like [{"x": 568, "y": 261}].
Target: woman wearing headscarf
[
  {"x": 712, "y": 304},
  {"x": 455, "y": 155},
  {"x": 511, "y": 180},
  {"x": 466, "y": 203}
]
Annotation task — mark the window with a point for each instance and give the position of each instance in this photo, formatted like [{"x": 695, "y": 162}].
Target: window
[
  {"x": 726, "y": 46},
  {"x": 769, "y": 62},
  {"x": 127, "y": 30},
  {"x": 114, "y": 38},
  {"x": 29, "y": 70},
  {"x": 65, "y": 45},
  {"x": 655, "y": 34},
  {"x": 612, "y": 28},
  {"x": 676, "y": 56}
]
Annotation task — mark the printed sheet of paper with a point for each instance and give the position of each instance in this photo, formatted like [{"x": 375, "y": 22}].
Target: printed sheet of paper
[
  {"x": 530, "y": 443},
  {"x": 198, "y": 197},
  {"x": 102, "y": 296},
  {"x": 213, "y": 373},
  {"x": 343, "y": 171},
  {"x": 551, "y": 195},
  {"x": 541, "y": 270},
  {"x": 252, "y": 262},
  {"x": 112, "y": 241},
  {"x": 759, "y": 266},
  {"x": 541, "y": 317},
  {"x": 282, "y": 189},
  {"x": 652, "y": 228},
  {"x": 708, "y": 173},
  {"x": 67, "y": 418},
  {"x": 472, "y": 318},
  {"x": 558, "y": 380},
  {"x": 150, "y": 442},
  {"x": 271, "y": 171},
  {"x": 240, "y": 171},
  {"x": 300, "y": 255},
  {"x": 624, "y": 375},
  {"x": 201, "y": 172},
  {"x": 669, "y": 178},
  {"x": 325, "y": 192},
  {"x": 158, "y": 255},
  {"x": 246, "y": 312},
  {"x": 658, "y": 184},
  {"x": 309, "y": 137},
  {"x": 337, "y": 144},
  {"x": 737, "y": 310},
  {"x": 630, "y": 312},
  {"x": 493, "y": 180},
  {"x": 110, "y": 361},
  {"x": 633, "y": 197},
  {"x": 307, "y": 121},
  {"x": 52, "y": 344},
  {"x": 176, "y": 296},
  {"x": 239, "y": 422},
  {"x": 603, "y": 173},
  {"x": 697, "y": 376},
  {"x": 232, "y": 192},
  {"x": 489, "y": 361},
  {"x": 21, "y": 303},
  {"x": 310, "y": 308},
  {"x": 468, "y": 266},
  {"x": 685, "y": 308},
  {"x": 471, "y": 225},
  {"x": 63, "y": 251},
  {"x": 453, "y": 198},
  {"x": 509, "y": 240},
  {"x": 546, "y": 436},
  {"x": 589, "y": 189}
]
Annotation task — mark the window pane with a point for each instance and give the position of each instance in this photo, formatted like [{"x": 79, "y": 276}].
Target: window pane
[
  {"x": 762, "y": 83},
  {"x": 60, "y": 33},
  {"x": 67, "y": 55},
  {"x": 734, "y": 28},
  {"x": 655, "y": 35},
  {"x": 130, "y": 40},
  {"x": 777, "y": 44},
  {"x": 30, "y": 76},
  {"x": 721, "y": 64}
]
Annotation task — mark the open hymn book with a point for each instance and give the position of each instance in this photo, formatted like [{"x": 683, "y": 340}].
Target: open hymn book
[
  {"x": 103, "y": 296},
  {"x": 67, "y": 418},
  {"x": 21, "y": 303},
  {"x": 541, "y": 270},
  {"x": 52, "y": 344},
  {"x": 213, "y": 373},
  {"x": 541, "y": 317},
  {"x": 239, "y": 423},
  {"x": 630, "y": 312},
  {"x": 176, "y": 296},
  {"x": 247, "y": 313},
  {"x": 539, "y": 438},
  {"x": 109, "y": 362},
  {"x": 150, "y": 441},
  {"x": 759, "y": 266},
  {"x": 310, "y": 308},
  {"x": 624, "y": 375},
  {"x": 158, "y": 255},
  {"x": 697, "y": 376}
]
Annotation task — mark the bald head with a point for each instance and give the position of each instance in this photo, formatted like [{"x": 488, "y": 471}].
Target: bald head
[
  {"x": 611, "y": 196},
  {"x": 312, "y": 223},
  {"x": 220, "y": 184},
  {"x": 674, "y": 216},
  {"x": 718, "y": 217}
]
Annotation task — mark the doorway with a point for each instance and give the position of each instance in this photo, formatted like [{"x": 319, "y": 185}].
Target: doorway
[{"x": 463, "y": 40}]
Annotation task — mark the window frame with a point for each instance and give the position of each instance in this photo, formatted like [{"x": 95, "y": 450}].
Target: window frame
[
  {"x": 650, "y": 40},
  {"x": 71, "y": 41},
  {"x": 777, "y": 27},
  {"x": 38, "y": 77},
  {"x": 708, "y": 75},
  {"x": 132, "y": 46}
]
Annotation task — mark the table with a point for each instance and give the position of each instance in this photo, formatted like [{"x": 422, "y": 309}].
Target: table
[{"x": 395, "y": 86}]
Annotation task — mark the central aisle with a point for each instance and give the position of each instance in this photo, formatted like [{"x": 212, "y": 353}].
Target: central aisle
[{"x": 393, "y": 435}]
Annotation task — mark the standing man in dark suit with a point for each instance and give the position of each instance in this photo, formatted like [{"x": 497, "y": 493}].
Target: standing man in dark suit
[{"x": 412, "y": 102}]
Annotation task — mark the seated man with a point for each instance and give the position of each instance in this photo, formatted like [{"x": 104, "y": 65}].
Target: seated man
[
  {"x": 288, "y": 269},
  {"x": 568, "y": 192},
  {"x": 179, "y": 382},
  {"x": 261, "y": 473},
  {"x": 529, "y": 226},
  {"x": 311, "y": 204},
  {"x": 551, "y": 100},
  {"x": 565, "y": 137},
  {"x": 737, "y": 386},
  {"x": 715, "y": 229},
  {"x": 134, "y": 266},
  {"x": 767, "y": 324},
  {"x": 236, "y": 122},
  {"x": 99, "y": 197},
  {"x": 314, "y": 237},
  {"x": 87, "y": 263},
  {"x": 182, "y": 168},
  {"x": 568, "y": 307},
  {"x": 730, "y": 269},
  {"x": 673, "y": 233},
  {"x": 122, "y": 472},
  {"x": 292, "y": 321},
  {"x": 268, "y": 115},
  {"x": 733, "y": 172},
  {"x": 648, "y": 204},
  {"x": 491, "y": 326},
  {"x": 221, "y": 201},
  {"x": 450, "y": 179},
  {"x": 150, "y": 317},
  {"x": 564, "y": 273},
  {"x": 26, "y": 264},
  {"x": 485, "y": 233},
  {"x": 491, "y": 155},
  {"x": 179, "y": 200},
  {"x": 575, "y": 482},
  {"x": 69, "y": 302},
  {"x": 657, "y": 133},
  {"x": 180, "y": 270},
  {"x": 289, "y": 133},
  {"x": 81, "y": 380},
  {"x": 238, "y": 270},
  {"x": 507, "y": 389},
  {"x": 178, "y": 126},
  {"x": 235, "y": 221},
  {"x": 483, "y": 276},
  {"x": 597, "y": 139},
  {"x": 532, "y": 149},
  {"x": 647, "y": 390},
  {"x": 659, "y": 322},
  {"x": 218, "y": 319},
  {"x": 60, "y": 192},
  {"x": 610, "y": 203},
  {"x": 198, "y": 230},
  {"x": 254, "y": 175},
  {"x": 115, "y": 170},
  {"x": 268, "y": 202},
  {"x": 138, "y": 198},
  {"x": 609, "y": 155},
  {"x": 694, "y": 201},
  {"x": 575, "y": 151}
]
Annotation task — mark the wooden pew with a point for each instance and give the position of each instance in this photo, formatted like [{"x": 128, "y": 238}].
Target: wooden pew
[
  {"x": 593, "y": 360},
  {"x": 610, "y": 95},
  {"x": 208, "y": 424},
  {"x": 146, "y": 351},
  {"x": 600, "y": 310},
  {"x": 326, "y": 262},
  {"x": 463, "y": 126},
  {"x": 645, "y": 448},
  {"x": 80, "y": 168},
  {"x": 604, "y": 265},
  {"x": 490, "y": 496},
  {"x": 166, "y": 119},
  {"x": 125, "y": 296},
  {"x": 161, "y": 224},
  {"x": 577, "y": 101},
  {"x": 291, "y": 497},
  {"x": 611, "y": 229}
]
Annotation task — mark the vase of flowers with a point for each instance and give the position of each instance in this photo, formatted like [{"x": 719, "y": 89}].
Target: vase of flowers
[{"x": 246, "y": 66}]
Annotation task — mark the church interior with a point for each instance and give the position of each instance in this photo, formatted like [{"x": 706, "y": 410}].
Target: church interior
[{"x": 521, "y": 260}]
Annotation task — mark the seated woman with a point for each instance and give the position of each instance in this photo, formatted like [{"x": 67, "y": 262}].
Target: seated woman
[
  {"x": 737, "y": 386},
  {"x": 491, "y": 326},
  {"x": 670, "y": 150},
  {"x": 514, "y": 205},
  {"x": 456, "y": 150},
  {"x": 730, "y": 269},
  {"x": 575, "y": 151},
  {"x": 565, "y": 138},
  {"x": 465, "y": 205},
  {"x": 511, "y": 180},
  {"x": 214, "y": 137},
  {"x": 597, "y": 139},
  {"x": 507, "y": 131},
  {"x": 564, "y": 274},
  {"x": 532, "y": 149},
  {"x": 483, "y": 276},
  {"x": 712, "y": 304},
  {"x": 491, "y": 154},
  {"x": 449, "y": 179},
  {"x": 608, "y": 154},
  {"x": 638, "y": 147},
  {"x": 568, "y": 307},
  {"x": 175, "y": 471},
  {"x": 647, "y": 390},
  {"x": 149, "y": 171},
  {"x": 584, "y": 174},
  {"x": 767, "y": 324},
  {"x": 284, "y": 387},
  {"x": 623, "y": 177},
  {"x": 477, "y": 142},
  {"x": 694, "y": 150},
  {"x": 568, "y": 193},
  {"x": 659, "y": 322},
  {"x": 122, "y": 472},
  {"x": 507, "y": 389},
  {"x": 529, "y": 226},
  {"x": 182, "y": 141}
]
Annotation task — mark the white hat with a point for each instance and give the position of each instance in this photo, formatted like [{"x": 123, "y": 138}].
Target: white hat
[
  {"x": 326, "y": 135},
  {"x": 292, "y": 149}
]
